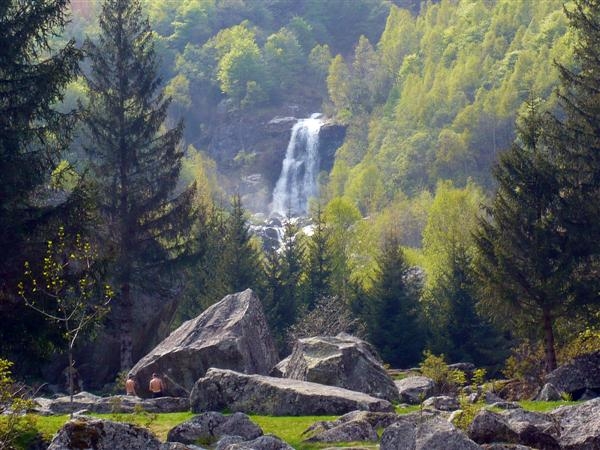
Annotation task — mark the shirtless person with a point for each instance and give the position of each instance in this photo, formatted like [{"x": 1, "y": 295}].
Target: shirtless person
[
  {"x": 156, "y": 386},
  {"x": 130, "y": 385}
]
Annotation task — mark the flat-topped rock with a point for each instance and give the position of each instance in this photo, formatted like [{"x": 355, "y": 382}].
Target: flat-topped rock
[
  {"x": 344, "y": 361},
  {"x": 413, "y": 390},
  {"x": 99, "y": 434},
  {"x": 231, "y": 334},
  {"x": 225, "y": 389},
  {"x": 116, "y": 403}
]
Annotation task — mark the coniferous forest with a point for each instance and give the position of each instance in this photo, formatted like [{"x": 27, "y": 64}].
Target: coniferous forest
[{"x": 458, "y": 215}]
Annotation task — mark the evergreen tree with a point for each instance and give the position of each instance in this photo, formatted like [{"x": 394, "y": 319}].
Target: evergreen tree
[
  {"x": 394, "y": 323},
  {"x": 523, "y": 262},
  {"x": 319, "y": 263},
  {"x": 282, "y": 292},
  {"x": 467, "y": 336},
  {"x": 136, "y": 164},
  {"x": 576, "y": 136},
  {"x": 241, "y": 259},
  {"x": 33, "y": 135}
]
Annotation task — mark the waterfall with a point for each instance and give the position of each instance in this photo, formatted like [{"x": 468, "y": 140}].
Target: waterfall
[{"x": 298, "y": 180}]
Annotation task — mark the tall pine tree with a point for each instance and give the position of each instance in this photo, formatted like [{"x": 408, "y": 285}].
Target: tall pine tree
[
  {"x": 33, "y": 135},
  {"x": 523, "y": 261},
  {"x": 576, "y": 136},
  {"x": 394, "y": 314},
  {"x": 136, "y": 163},
  {"x": 242, "y": 265}
]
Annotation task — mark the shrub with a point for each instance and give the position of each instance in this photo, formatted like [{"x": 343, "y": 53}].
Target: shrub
[
  {"x": 446, "y": 380},
  {"x": 526, "y": 363},
  {"x": 13, "y": 405},
  {"x": 587, "y": 341}
]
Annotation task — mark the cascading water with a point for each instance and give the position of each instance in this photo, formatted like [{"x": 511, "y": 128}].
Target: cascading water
[{"x": 298, "y": 180}]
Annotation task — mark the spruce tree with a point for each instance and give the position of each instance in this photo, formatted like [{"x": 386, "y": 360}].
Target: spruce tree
[
  {"x": 523, "y": 261},
  {"x": 136, "y": 163},
  {"x": 32, "y": 134},
  {"x": 394, "y": 317},
  {"x": 576, "y": 136},
  {"x": 33, "y": 75},
  {"x": 319, "y": 263},
  {"x": 241, "y": 258}
]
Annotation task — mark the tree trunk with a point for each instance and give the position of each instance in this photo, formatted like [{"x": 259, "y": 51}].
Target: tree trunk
[
  {"x": 549, "y": 351},
  {"x": 126, "y": 325},
  {"x": 71, "y": 385}
]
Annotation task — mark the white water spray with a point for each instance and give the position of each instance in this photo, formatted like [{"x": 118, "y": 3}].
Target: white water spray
[{"x": 298, "y": 180}]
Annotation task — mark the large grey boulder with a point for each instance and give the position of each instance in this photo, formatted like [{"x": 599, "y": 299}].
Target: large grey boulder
[
  {"x": 209, "y": 427},
  {"x": 442, "y": 403},
  {"x": 231, "y": 334},
  {"x": 98, "y": 434},
  {"x": 377, "y": 420},
  {"x": 433, "y": 434},
  {"x": 548, "y": 393},
  {"x": 515, "y": 426},
  {"x": 221, "y": 389},
  {"x": 579, "y": 376},
  {"x": 353, "y": 431},
  {"x": 413, "y": 390},
  {"x": 117, "y": 403},
  {"x": 344, "y": 361},
  {"x": 266, "y": 442},
  {"x": 579, "y": 425}
]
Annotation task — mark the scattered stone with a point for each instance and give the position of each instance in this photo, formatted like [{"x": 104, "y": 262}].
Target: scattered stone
[
  {"x": 579, "y": 425},
  {"x": 355, "y": 430},
  {"x": 515, "y": 426},
  {"x": 99, "y": 434},
  {"x": 442, "y": 403},
  {"x": 208, "y": 427},
  {"x": 376, "y": 420},
  {"x": 582, "y": 374},
  {"x": 548, "y": 393},
  {"x": 221, "y": 389},
  {"x": 266, "y": 442},
  {"x": 231, "y": 334},
  {"x": 344, "y": 361},
  {"x": 413, "y": 390},
  {"x": 498, "y": 446},
  {"x": 433, "y": 434},
  {"x": 179, "y": 446},
  {"x": 505, "y": 405}
]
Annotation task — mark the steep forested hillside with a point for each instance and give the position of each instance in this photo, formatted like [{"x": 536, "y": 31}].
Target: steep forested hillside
[{"x": 421, "y": 100}]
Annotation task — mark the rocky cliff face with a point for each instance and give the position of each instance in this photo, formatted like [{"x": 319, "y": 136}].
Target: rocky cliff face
[{"x": 249, "y": 147}]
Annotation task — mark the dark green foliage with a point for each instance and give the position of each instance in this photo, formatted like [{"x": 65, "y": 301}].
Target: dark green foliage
[
  {"x": 242, "y": 261},
  {"x": 577, "y": 139},
  {"x": 394, "y": 315},
  {"x": 282, "y": 290},
  {"x": 33, "y": 75},
  {"x": 136, "y": 165},
  {"x": 523, "y": 261},
  {"x": 466, "y": 336},
  {"x": 319, "y": 264}
]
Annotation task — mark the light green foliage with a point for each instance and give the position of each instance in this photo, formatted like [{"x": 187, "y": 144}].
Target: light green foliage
[
  {"x": 587, "y": 341},
  {"x": 446, "y": 379},
  {"x": 526, "y": 363},
  {"x": 13, "y": 405},
  {"x": 284, "y": 59},
  {"x": 454, "y": 77},
  {"x": 66, "y": 290},
  {"x": 468, "y": 411}
]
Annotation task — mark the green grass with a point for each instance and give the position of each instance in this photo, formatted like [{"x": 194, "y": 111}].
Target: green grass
[
  {"x": 288, "y": 428},
  {"x": 537, "y": 406}
]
